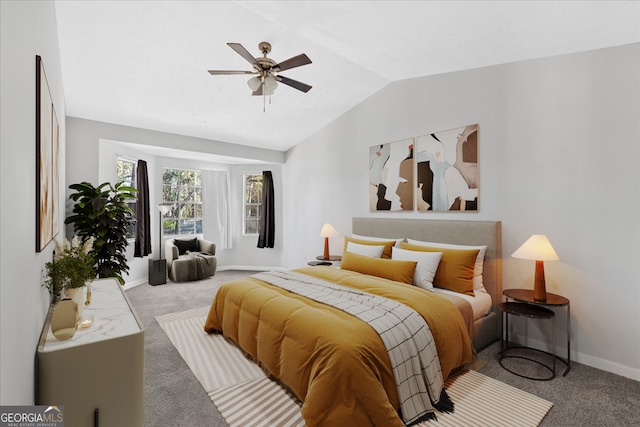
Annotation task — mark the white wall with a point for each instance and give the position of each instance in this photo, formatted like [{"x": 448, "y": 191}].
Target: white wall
[
  {"x": 559, "y": 155},
  {"x": 27, "y": 29}
]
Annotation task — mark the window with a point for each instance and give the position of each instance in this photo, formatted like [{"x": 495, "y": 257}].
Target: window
[
  {"x": 252, "y": 203},
  {"x": 182, "y": 189},
  {"x": 126, "y": 171}
]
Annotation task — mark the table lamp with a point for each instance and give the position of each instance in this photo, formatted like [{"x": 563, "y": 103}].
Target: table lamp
[
  {"x": 326, "y": 232},
  {"x": 537, "y": 248}
]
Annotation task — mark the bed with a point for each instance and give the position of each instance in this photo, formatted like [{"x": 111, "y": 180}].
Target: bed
[
  {"x": 486, "y": 328},
  {"x": 337, "y": 365}
]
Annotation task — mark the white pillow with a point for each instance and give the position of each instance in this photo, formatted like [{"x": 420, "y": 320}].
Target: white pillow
[
  {"x": 478, "y": 284},
  {"x": 377, "y": 239},
  {"x": 366, "y": 250},
  {"x": 427, "y": 264}
]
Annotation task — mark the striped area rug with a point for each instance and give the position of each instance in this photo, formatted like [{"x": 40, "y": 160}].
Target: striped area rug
[{"x": 246, "y": 397}]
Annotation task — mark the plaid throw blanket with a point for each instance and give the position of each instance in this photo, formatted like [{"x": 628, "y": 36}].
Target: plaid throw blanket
[{"x": 403, "y": 331}]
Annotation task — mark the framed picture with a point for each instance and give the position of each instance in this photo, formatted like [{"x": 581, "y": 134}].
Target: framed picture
[
  {"x": 391, "y": 176},
  {"x": 447, "y": 170},
  {"x": 47, "y": 152}
]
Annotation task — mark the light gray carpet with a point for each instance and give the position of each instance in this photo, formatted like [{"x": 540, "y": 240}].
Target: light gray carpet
[{"x": 173, "y": 396}]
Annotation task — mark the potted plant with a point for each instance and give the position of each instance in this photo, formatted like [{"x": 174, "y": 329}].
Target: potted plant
[
  {"x": 102, "y": 213},
  {"x": 72, "y": 266},
  {"x": 69, "y": 271}
]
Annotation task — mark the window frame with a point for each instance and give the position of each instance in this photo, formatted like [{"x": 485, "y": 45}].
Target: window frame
[
  {"x": 132, "y": 203},
  {"x": 246, "y": 203},
  {"x": 176, "y": 213}
]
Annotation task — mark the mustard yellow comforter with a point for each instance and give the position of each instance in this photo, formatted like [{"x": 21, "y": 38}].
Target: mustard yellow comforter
[{"x": 334, "y": 363}]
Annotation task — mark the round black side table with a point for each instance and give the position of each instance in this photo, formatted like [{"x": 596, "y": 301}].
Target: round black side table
[
  {"x": 533, "y": 312},
  {"x": 316, "y": 263},
  {"x": 552, "y": 301},
  {"x": 320, "y": 260}
]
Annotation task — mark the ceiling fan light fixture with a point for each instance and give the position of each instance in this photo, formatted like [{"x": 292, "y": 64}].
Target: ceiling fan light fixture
[
  {"x": 254, "y": 83},
  {"x": 270, "y": 84}
]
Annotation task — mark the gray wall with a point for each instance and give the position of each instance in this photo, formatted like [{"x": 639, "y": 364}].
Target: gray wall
[{"x": 559, "y": 153}]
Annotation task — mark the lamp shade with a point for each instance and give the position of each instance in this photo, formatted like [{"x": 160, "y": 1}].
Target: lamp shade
[
  {"x": 328, "y": 231},
  {"x": 270, "y": 84},
  {"x": 254, "y": 83},
  {"x": 537, "y": 248},
  {"x": 164, "y": 209}
]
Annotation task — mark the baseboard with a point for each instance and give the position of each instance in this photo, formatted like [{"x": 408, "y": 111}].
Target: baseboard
[
  {"x": 249, "y": 268},
  {"x": 585, "y": 359},
  {"x": 609, "y": 366},
  {"x": 134, "y": 283}
]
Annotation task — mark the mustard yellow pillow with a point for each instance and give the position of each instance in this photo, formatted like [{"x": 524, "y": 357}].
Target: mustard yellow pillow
[
  {"x": 455, "y": 271},
  {"x": 386, "y": 253},
  {"x": 400, "y": 271}
]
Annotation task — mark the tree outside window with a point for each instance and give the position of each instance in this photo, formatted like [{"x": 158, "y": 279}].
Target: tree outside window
[
  {"x": 252, "y": 203},
  {"x": 126, "y": 172},
  {"x": 182, "y": 188}
]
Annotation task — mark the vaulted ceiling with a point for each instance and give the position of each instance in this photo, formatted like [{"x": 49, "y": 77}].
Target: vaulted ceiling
[{"x": 144, "y": 63}]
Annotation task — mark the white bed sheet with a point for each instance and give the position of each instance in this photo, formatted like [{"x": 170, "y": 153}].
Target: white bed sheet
[{"x": 480, "y": 303}]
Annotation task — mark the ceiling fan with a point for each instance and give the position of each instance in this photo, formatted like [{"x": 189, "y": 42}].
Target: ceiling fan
[{"x": 267, "y": 70}]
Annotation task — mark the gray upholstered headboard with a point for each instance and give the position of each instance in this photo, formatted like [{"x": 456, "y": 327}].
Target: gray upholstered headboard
[{"x": 447, "y": 231}]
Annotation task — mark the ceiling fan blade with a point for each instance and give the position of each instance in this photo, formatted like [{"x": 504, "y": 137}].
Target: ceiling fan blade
[
  {"x": 294, "y": 83},
  {"x": 245, "y": 54},
  {"x": 226, "y": 72},
  {"x": 296, "y": 61}
]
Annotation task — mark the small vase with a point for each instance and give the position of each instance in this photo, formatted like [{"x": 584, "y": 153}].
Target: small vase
[
  {"x": 77, "y": 295},
  {"x": 64, "y": 319}
]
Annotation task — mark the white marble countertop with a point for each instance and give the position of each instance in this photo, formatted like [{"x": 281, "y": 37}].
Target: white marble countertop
[{"x": 112, "y": 318}]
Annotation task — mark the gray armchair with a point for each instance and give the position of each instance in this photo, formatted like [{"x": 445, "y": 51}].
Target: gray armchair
[{"x": 190, "y": 259}]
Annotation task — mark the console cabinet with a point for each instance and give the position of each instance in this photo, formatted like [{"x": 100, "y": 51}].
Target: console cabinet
[{"x": 98, "y": 374}]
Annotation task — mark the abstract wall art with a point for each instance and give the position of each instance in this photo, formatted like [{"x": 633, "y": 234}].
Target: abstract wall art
[
  {"x": 391, "y": 176},
  {"x": 447, "y": 170},
  {"x": 47, "y": 151}
]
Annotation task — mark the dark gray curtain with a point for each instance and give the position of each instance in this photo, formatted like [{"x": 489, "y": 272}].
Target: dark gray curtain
[
  {"x": 143, "y": 221},
  {"x": 267, "y": 227}
]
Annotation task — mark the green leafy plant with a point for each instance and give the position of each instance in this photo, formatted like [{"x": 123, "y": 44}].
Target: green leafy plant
[
  {"x": 102, "y": 213},
  {"x": 72, "y": 265}
]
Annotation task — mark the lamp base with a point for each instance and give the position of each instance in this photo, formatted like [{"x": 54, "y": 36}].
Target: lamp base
[
  {"x": 539, "y": 287},
  {"x": 157, "y": 272},
  {"x": 326, "y": 248}
]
